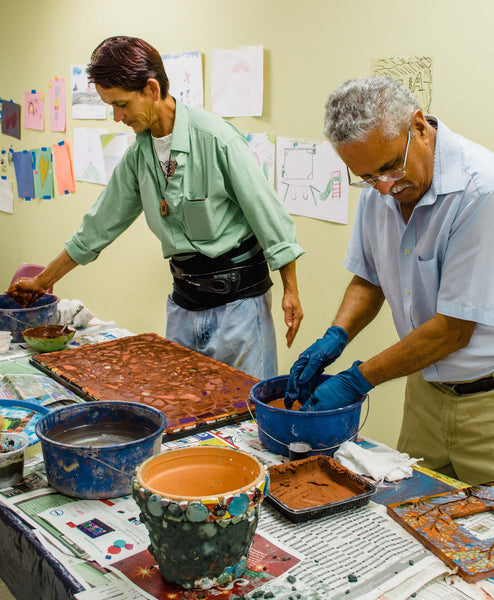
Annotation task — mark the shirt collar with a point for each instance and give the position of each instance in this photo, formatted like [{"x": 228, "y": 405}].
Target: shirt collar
[
  {"x": 448, "y": 174},
  {"x": 180, "y": 140}
]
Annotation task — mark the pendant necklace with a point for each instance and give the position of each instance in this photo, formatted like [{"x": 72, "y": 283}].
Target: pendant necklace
[{"x": 168, "y": 168}]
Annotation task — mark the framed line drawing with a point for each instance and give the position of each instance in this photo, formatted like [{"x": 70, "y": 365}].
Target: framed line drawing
[{"x": 414, "y": 72}]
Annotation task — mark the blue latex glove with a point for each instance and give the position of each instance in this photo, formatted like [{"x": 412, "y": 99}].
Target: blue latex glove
[
  {"x": 338, "y": 391},
  {"x": 312, "y": 362}
]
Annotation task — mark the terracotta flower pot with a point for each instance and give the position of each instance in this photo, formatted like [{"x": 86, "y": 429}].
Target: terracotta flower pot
[{"x": 201, "y": 507}]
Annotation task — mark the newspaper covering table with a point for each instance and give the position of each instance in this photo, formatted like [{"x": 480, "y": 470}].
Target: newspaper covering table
[{"x": 360, "y": 554}]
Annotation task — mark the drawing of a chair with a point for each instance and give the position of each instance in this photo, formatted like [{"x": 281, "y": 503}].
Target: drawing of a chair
[{"x": 298, "y": 172}]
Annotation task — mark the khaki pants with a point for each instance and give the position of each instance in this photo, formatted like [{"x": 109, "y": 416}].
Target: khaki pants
[{"x": 453, "y": 434}]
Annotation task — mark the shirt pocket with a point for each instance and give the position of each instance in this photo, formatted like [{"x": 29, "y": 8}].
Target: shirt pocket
[
  {"x": 200, "y": 221},
  {"x": 425, "y": 283}
]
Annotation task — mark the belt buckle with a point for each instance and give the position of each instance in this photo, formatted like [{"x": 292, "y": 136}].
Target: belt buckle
[
  {"x": 224, "y": 283},
  {"x": 452, "y": 387}
]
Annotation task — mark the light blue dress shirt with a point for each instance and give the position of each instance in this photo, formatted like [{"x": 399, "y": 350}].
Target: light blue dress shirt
[{"x": 442, "y": 259}]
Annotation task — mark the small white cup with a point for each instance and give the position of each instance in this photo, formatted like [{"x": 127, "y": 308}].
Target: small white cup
[{"x": 5, "y": 339}]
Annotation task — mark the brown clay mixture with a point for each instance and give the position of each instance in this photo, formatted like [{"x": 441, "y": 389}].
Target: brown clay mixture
[
  {"x": 312, "y": 482},
  {"x": 280, "y": 403},
  {"x": 47, "y": 332}
]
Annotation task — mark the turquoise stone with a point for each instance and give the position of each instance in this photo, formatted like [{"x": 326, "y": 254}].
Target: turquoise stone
[{"x": 238, "y": 505}]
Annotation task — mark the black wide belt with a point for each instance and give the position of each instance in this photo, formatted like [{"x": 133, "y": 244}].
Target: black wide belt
[
  {"x": 217, "y": 282},
  {"x": 486, "y": 384},
  {"x": 200, "y": 282}
]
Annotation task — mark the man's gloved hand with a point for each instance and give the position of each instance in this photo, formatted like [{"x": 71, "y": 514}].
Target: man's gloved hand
[
  {"x": 312, "y": 362},
  {"x": 338, "y": 391}
]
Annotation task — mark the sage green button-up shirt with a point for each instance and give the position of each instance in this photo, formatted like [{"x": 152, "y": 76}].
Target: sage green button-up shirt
[{"x": 217, "y": 197}]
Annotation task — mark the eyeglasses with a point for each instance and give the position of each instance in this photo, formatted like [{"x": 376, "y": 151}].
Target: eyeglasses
[{"x": 385, "y": 177}]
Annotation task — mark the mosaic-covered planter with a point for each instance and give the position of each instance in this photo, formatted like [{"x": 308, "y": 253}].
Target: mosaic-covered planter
[{"x": 201, "y": 507}]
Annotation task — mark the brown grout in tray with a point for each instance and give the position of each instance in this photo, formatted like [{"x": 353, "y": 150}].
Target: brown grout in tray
[{"x": 315, "y": 487}]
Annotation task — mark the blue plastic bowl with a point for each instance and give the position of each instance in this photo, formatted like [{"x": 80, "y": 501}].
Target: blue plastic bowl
[
  {"x": 324, "y": 430},
  {"x": 15, "y": 318},
  {"x": 91, "y": 450}
]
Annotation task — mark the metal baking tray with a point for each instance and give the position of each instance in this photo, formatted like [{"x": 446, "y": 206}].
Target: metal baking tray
[{"x": 333, "y": 475}]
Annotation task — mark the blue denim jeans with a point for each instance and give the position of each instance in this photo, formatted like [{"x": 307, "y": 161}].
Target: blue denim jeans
[{"x": 240, "y": 334}]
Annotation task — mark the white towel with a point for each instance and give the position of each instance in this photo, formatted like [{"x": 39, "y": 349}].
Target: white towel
[
  {"x": 66, "y": 308},
  {"x": 379, "y": 462}
]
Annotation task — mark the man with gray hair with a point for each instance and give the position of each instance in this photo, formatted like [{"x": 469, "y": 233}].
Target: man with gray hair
[{"x": 422, "y": 240}]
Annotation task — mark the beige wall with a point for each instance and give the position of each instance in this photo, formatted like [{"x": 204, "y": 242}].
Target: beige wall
[{"x": 310, "y": 47}]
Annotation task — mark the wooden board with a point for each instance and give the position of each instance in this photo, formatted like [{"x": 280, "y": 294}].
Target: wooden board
[
  {"x": 195, "y": 392},
  {"x": 443, "y": 523}
]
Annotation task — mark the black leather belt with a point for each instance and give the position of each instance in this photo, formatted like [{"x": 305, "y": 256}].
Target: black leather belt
[{"x": 472, "y": 387}]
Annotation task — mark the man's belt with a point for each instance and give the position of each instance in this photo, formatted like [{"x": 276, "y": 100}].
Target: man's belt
[{"x": 486, "y": 384}]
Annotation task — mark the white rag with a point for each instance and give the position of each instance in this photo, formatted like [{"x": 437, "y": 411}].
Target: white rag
[
  {"x": 66, "y": 308},
  {"x": 379, "y": 462}
]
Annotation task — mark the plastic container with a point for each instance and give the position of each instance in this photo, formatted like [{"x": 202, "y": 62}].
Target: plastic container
[
  {"x": 298, "y": 450},
  {"x": 48, "y": 338},
  {"x": 201, "y": 505},
  {"x": 331, "y": 474},
  {"x": 16, "y": 319},
  {"x": 91, "y": 450},
  {"x": 12, "y": 448},
  {"x": 324, "y": 430},
  {"x": 29, "y": 412}
]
